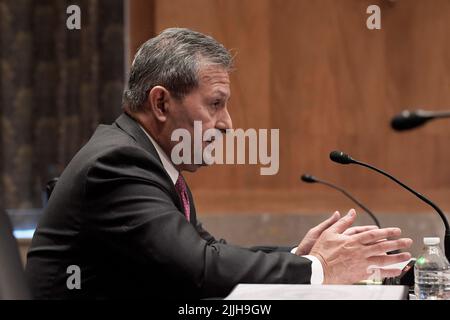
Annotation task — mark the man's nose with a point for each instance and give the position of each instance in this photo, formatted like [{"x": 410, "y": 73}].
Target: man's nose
[{"x": 224, "y": 121}]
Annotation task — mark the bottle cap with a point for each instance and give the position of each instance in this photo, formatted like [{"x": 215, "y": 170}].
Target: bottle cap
[{"x": 431, "y": 241}]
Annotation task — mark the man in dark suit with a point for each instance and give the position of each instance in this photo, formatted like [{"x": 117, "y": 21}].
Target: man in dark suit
[{"x": 121, "y": 222}]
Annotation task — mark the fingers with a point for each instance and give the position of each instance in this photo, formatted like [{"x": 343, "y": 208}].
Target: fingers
[
  {"x": 344, "y": 223},
  {"x": 380, "y": 248},
  {"x": 327, "y": 223},
  {"x": 385, "y": 260},
  {"x": 390, "y": 273},
  {"x": 375, "y": 235},
  {"x": 355, "y": 230}
]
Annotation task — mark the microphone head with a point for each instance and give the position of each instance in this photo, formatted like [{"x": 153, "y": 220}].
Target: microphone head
[
  {"x": 308, "y": 178},
  {"x": 407, "y": 120},
  {"x": 341, "y": 157}
]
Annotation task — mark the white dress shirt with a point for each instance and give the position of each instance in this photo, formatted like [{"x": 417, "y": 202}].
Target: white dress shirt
[
  {"x": 316, "y": 266},
  {"x": 167, "y": 163}
]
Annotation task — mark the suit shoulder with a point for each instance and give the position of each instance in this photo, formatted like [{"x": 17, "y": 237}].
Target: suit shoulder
[
  {"x": 112, "y": 144},
  {"x": 112, "y": 147},
  {"x": 109, "y": 153}
]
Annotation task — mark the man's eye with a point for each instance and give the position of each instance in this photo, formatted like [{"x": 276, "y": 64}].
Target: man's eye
[{"x": 217, "y": 104}]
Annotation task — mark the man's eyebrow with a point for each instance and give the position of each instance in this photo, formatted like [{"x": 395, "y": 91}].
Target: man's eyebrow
[{"x": 221, "y": 93}]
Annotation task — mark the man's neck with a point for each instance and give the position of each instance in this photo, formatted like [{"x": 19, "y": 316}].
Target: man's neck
[{"x": 170, "y": 168}]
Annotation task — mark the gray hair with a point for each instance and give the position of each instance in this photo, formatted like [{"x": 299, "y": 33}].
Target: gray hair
[{"x": 172, "y": 60}]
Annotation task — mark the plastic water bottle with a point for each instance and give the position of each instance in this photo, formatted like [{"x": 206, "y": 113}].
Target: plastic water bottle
[{"x": 431, "y": 272}]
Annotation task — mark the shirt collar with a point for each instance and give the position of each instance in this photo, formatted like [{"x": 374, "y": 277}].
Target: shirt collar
[{"x": 166, "y": 162}]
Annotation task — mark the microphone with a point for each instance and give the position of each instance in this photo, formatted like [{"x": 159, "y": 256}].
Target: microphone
[
  {"x": 343, "y": 158},
  {"x": 407, "y": 120},
  {"x": 311, "y": 179}
]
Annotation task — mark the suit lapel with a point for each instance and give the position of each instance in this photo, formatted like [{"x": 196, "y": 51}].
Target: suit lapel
[{"x": 132, "y": 128}]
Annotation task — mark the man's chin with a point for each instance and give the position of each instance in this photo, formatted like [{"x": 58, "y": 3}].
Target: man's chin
[{"x": 193, "y": 167}]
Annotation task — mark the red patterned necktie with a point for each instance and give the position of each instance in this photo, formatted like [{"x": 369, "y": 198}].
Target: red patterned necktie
[{"x": 181, "y": 188}]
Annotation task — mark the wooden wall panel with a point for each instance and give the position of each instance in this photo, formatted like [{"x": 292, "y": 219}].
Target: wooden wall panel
[
  {"x": 140, "y": 24},
  {"x": 313, "y": 70}
]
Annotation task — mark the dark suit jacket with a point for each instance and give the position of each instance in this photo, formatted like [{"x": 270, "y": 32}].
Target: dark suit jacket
[{"x": 116, "y": 214}]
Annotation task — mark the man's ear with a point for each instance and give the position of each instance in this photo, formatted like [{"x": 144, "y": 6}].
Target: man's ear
[{"x": 158, "y": 102}]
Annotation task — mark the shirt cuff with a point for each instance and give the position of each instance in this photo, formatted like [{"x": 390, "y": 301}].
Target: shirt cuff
[{"x": 316, "y": 268}]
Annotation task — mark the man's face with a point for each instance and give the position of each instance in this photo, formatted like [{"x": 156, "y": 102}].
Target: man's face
[{"x": 207, "y": 103}]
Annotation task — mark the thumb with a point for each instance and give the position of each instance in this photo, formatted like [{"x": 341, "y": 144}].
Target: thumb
[{"x": 344, "y": 223}]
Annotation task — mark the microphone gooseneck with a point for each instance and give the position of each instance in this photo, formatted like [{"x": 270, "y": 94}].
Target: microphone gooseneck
[
  {"x": 341, "y": 157},
  {"x": 311, "y": 179},
  {"x": 338, "y": 156},
  {"x": 308, "y": 178},
  {"x": 408, "y": 120}
]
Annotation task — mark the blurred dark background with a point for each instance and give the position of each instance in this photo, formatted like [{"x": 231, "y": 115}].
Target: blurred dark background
[{"x": 56, "y": 86}]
